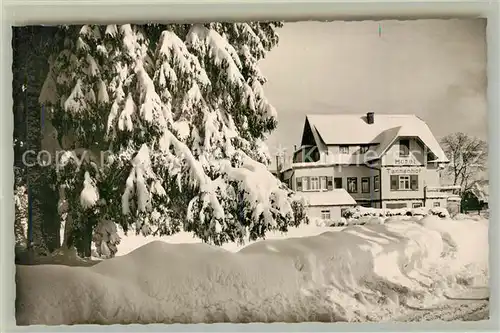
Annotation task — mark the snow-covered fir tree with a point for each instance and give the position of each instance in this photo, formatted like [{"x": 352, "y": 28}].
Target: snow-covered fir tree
[{"x": 170, "y": 123}]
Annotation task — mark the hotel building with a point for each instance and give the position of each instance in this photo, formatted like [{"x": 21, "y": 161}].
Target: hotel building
[{"x": 379, "y": 160}]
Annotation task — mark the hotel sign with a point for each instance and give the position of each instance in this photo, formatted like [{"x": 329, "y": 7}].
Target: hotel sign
[
  {"x": 405, "y": 171},
  {"x": 405, "y": 161}
]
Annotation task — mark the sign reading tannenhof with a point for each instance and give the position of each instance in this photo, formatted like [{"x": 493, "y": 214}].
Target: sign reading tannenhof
[{"x": 405, "y": 171}]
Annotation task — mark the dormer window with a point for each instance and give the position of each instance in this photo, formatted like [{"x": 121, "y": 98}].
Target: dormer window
[
  {"x": 404, "y": 148},
  {"x": 344, "y": 149}
]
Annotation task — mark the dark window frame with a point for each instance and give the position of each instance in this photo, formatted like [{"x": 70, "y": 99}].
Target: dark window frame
[
  {"x": 367, "y": 189},
  {"x": 349, "y": 179},
  {"x": 342, "y": 147},
  {"x": 396, "y": 205}
]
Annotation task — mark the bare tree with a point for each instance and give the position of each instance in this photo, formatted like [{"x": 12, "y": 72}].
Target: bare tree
[{"x": 468, "y": 157}]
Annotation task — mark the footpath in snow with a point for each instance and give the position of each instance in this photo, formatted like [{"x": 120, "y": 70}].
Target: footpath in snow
[{"x": 367, "y": 272}]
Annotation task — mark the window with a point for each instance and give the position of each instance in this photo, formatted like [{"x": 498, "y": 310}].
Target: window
[
  {"x": 329, "y": 181},
  {"x": 352, "y": 184},
  {"x": 344, "y": 149},
  {"x": 314, "y": 186},
  {"x": 299, "y": 183},
  {"x": 365, "y": 185},
  {"x": 338, "y": 182},
  {"x": 437, "y": 204},
  {"x": 306, "y": 185},
  {"x": 363, "y": 149},
  {"x": 414, "y": 182},
  {"x": 396, "y": 205},
  {"x": 417, "y": 205},
  {"x": 325, "y": 214},
  {"x": 376, "y": 183},
  {"x": 404, "y": 148},
  {"x": 404, "y": 182},
  {"x": 323, "y": 183}
]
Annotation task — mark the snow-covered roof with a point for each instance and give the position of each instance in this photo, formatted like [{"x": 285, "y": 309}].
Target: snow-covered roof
[
  {"x": 436, "y": 195},
  {"x": 338, "y": 129},
  {"x": 481, "y": 191},
  {"x": 336, "y": 197}
]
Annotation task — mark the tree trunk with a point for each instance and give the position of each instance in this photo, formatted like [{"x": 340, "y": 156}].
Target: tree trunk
[
  {"x": 43, "y": 208},
  {"x": 87, "y": 241}
]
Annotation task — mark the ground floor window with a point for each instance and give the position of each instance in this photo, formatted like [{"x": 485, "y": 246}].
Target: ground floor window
[
  {"x": 437, "y": 204},
  {"x": 404, "y": 182},
  {"x": 365, "y": 184},
  {"x": 314, "y": 184},
  {"x": 325, "y": 215},
  {"x": 417, "y": 205},
  {"x": 396, "y": 205},
  {"x": 338, "y": 182},
  {"x": 323, "y": 183},
  {"x": 376, "y": 183},
  {"x": 352, "y": 184}
]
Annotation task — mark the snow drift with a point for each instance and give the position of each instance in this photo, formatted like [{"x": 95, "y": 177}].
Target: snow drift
[{"x": 361, "y": 273}]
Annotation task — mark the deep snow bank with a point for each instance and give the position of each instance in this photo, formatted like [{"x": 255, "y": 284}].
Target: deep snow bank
[{"x": 361, "y": 273}]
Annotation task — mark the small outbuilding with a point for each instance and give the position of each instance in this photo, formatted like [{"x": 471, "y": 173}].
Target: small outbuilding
[{"x": 327, "y": 205}]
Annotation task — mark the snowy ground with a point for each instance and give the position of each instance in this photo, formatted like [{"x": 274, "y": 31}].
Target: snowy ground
[{"x": 378, "y": 272}]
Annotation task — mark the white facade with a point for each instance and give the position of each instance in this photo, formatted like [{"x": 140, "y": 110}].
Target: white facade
[
  {"x": 382, "y": 161},
  {"x": 327, "y": 204}
]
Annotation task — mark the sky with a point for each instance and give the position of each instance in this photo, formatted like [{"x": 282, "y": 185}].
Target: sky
[{"x": 435, "y": 69}]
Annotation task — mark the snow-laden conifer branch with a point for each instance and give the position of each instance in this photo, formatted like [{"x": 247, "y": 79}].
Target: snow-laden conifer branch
[{"x": 184, "y": 124}]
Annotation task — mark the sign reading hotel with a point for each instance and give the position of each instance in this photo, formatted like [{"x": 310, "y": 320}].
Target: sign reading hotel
[
  {"x": 405, "y": 161},
  {"x": 405, "y": 171}
]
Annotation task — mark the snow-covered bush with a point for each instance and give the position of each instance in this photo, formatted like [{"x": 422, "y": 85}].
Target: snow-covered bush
[
  {"x": 180, "y": 112},
  {"x": 341, "y": 222},
  {"x": 106, "y": 239},
  {"x": 439, "y": 211},
  {"x": 359, "y": 212},
  {"x": 460, "y": 217}
]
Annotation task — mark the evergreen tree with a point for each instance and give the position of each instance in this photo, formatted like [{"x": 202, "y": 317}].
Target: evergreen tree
[
  {"x": 31, "y": 46},
  {"x": 181, "y": 114}
]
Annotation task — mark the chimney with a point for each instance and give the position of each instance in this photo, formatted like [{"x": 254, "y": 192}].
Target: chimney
[{"x": 370, "y": 117}]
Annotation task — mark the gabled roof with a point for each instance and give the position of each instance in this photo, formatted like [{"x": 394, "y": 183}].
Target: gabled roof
[
  {"x": 353, "y": 129},
  {"x": 335, "y": 197}
]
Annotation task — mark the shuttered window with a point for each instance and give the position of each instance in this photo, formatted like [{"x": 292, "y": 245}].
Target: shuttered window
[
  {"x": 414, "y": 182},
  {"x": 404, "y": 182},
  {"x": 394, "y": 182}
]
